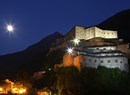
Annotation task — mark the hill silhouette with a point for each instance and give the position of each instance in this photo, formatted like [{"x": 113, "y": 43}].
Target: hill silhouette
[{"x": 28, "y": 59}]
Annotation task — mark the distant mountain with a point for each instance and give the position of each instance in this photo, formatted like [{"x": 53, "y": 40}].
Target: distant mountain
[
  {"x": 29, "y": 59},
  {"x": 119, "y": 22}
]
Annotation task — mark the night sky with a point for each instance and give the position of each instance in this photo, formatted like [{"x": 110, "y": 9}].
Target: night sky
[{"x": 35, "y": 19}]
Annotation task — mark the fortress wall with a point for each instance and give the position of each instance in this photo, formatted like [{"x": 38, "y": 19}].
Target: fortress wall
[
  {"x": 80, "y": 33},
  {"x": 109, "y": 62},
  {"x": 103, "y": 48},
  {"x": 124, "y": 48},
  {"x": 68, "y": 60},
  {"x": 115, "y": 62},
  {"x": 77, "y": 61},
  {"x": 90, "y": 33},
  {"x": 109, "y": 34},
  {"x": 105, "y": 33},
  {"x": 90, "y": 62}
]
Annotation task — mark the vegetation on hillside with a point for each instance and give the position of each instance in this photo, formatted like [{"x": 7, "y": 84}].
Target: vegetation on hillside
[{"x": 89, "y": 81}]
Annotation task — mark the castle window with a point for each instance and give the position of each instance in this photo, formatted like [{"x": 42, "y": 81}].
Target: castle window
[
  {"x": 108, "y": 61},
  {"x": 89, "y": 59},
  {"x": 101, "y": 61},
  {"x": 116, "y": 60},
  {"x": 97, "y": 48},
  {"x": 120, "y": 61},
  {"x": 95, "y": 61},
  {"x": 104, "y": 48}
]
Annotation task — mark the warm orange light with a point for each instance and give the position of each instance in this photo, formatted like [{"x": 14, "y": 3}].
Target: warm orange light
[
  {"x": 14, "y": 90},
  {"x": 76, "y": 41},
  {"x": 1, "y": 89},
  {"x": 21, "y": 91},
  {"x": 18, "y": 90}
]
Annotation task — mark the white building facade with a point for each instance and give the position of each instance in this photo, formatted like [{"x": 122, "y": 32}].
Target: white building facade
[{"x": 108, "y": 57}]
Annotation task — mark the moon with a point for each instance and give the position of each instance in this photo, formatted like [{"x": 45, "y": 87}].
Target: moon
[{"x": 10, "y": 28}]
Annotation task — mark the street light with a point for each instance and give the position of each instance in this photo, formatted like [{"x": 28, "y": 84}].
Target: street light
[
  {"x": 76, "y": 41},
  {"x": 70, "y": 50}
]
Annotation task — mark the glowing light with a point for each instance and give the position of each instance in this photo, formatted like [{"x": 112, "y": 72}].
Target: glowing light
[
  {"x": 10, "y": 28},
  {"x": 70, "y": 50},
  {"x": 15, "y": 88},
  {"x": 18, "y": 90},
  {"x": 21, "y": 91},
  {"x": 76, "y": 41},
  {"x": 1, "y": 89}
]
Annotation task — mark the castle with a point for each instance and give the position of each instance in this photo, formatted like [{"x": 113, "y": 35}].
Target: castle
[{"x": 96, "y": 48}]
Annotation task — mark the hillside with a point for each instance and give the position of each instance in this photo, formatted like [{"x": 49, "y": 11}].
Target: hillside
[{"x": 30, "y": 59}]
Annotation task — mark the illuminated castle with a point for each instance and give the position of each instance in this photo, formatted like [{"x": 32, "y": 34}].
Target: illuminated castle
[{"x": 96, "y": 48}]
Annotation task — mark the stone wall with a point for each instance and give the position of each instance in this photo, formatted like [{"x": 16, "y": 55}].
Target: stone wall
[
  {"x": 89, "y": 33},
  {"x": 105, "y": 33},
  {"x": 80, "y": 33},
  {"x": 77, "y": 62},
  {"x": 97, "y": 49},
  {"x": 68, "y": 60},
  {"x": 124, "y": 48},
  {"x": 109, "y": 62}
]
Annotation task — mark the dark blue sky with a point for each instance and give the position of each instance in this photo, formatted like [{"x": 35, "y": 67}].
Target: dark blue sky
[{"x": 35, "y": 19}]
